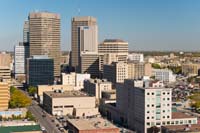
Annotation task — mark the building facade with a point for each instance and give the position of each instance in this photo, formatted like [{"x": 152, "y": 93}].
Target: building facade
[
  {"x": 164, "y": 75},
  {"x": 21, "y": 53},
  {"x": 4, "y": 95},
  {"x": 84, "y": 26},
  {"x": 89, "y": 63},
  {"x": 95, "y": 87},
  {"x": 116, "y": 72},
  {"x": 40, "y": 71},
  {"x": 75, "y": 79},
  {"x": 73, "y": 103},
  {"x": 44, "y": 37}
]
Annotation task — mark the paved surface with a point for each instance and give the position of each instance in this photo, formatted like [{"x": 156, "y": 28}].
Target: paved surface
[{"x": 44, "y": 121}]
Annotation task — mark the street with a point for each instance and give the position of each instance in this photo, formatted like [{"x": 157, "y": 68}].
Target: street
[{"x": 44, "y": 121}]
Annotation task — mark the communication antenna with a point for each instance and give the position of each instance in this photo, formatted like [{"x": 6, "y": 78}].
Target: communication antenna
[{"x": 79, "y": 11}]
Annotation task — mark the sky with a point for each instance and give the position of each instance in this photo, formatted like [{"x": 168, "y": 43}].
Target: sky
[{"x": 146, "y": 24}]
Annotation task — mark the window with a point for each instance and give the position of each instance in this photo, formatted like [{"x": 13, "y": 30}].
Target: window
[
  {"x": 152, "y": 105},
  {"x": 164, "y": 117},
  {"x": 147, "y": 117},
  {"x": 147, "y": 111},
  {"x": 147, "y": 93},
  {"x": 148, "y": 123},
  {"x": 163, "y": 111},
  {"x": 168, "y": 116},
  {"x": 152, "y": 93},
  {"x": 147, "y": 105},
  {"x": 163, "y": 93}
]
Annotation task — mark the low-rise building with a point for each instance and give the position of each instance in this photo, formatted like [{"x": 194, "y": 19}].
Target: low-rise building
[
  {"x": 116, "y": 72},
  {"x": 164, "y": 75},
  {"x": 138, "y": 57},
  {"x": 74, "y": 103},
  {"x": 57, "y": 88},
  {"x": 194, "y": 128},
  {"x": 190, "y": 69},
  {"x": 95, "y": 87},
  {"x": 93, "y": 125},
  {"x": 75, "y": 79}
]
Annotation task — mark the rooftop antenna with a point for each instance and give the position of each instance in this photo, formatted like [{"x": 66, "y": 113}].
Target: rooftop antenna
[{"x": 79, "y": 11}]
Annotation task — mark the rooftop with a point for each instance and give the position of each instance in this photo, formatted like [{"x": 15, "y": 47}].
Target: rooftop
[
  {"x": 182, "y": 128},
  {"x": 113, "y": 40},
  {"x": 179, "y": 115},
  {"x": 62, "y": 94},
  {"x": 12, "y": 129},
  {"x": 91, "y": 124}
]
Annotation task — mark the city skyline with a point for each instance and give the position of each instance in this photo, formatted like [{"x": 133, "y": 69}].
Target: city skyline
[{"x": 155, "y": 25}]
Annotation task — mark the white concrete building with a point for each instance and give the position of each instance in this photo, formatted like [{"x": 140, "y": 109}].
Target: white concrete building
[
  {"x": 21, "y": 52},
  {"x": 164, "y": 75},
  {"x": 148, "y": 106},
  {"x": 138, "y": 57},
  {"x": 95, "y": 87},
  {"x": 116, "y": 72},
  {"x": 74, "y": 103},
  {"x": 75, "y": 79}
]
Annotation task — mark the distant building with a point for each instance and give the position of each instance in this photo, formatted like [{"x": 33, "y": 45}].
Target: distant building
[
  {"x": 137, "y": 57},
  {"x": 93, "y": 125},
  {"x": 21, "y": 53},
  {"x": 73, "y": 103},
  {"x": 116, "y": 72},
  {"x": 136, "y": 70},
  {"x": 89, "y": 63},
  {"x": 84, "y": 38},
  {"x": 5, "y": 59},
  {"x": 5, "y": 95},
  {"x": 112, "y": 50},
  {"x": 75, "y": 79},
  {"x": 190, "y": 69},
  {"x": 5, "y": 74},
  {"x": 95, "y": 87},
  {"x": 26, "y": 32},
  {"x": 40, "y": 71},
  {"x": 117, "y": 46},
  {"x": 164, "y": 75},
  {"x": 44, "y": 35}
]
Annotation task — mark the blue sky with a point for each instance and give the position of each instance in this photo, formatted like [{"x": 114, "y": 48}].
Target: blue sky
[{"x": 145, "y": 24}]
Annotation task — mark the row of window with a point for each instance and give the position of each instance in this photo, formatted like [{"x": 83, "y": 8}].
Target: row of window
[
  {"x": 181, "y": 122},
  {"x": 157, "y": 106}
]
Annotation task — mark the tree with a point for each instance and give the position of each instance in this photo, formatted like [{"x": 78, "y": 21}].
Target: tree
[
  {"x": 30, "y": 116},
  {"x": 156, "y": 66},
  {"x": 18, "y": 99},
  {"x": 32, "y": 90}
]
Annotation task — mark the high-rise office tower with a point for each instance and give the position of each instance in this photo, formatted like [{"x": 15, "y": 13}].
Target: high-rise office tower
[
  {"x": 45, "y": 36},
  {"x": 26, "y": 32},
  {"x": 21, "y": 53},
  {"x": 84, "y": 37},
  {"x": 112, "y": 50}
]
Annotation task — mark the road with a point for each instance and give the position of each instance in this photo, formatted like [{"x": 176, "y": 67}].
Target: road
[{"x": 44, "y": 121}]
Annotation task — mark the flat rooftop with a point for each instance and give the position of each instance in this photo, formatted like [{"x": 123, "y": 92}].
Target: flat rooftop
[
  {"x": 179, "y": 115},
  {"x": 60, "y": 94},
  {"x": 182, "y": 128},
  {"x": 91, "y": 124},
  {"x": 11, "y": 129}
]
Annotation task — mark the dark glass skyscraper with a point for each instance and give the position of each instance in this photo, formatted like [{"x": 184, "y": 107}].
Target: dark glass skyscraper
[{"x": 40, "y": 70}]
